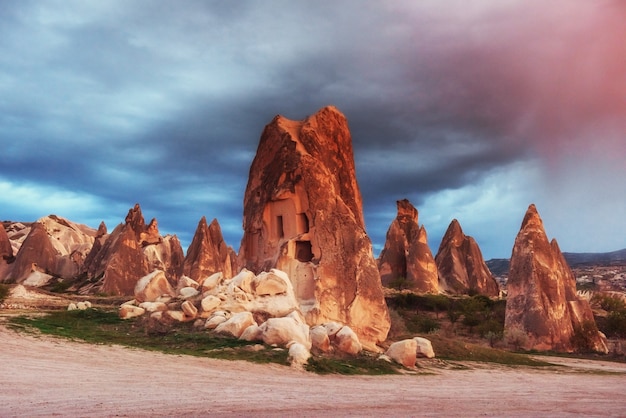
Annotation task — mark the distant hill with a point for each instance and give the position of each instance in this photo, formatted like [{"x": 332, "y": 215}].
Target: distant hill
[
  {"x": 500, "y": 266},
  {"x": 612, "y": 258}
]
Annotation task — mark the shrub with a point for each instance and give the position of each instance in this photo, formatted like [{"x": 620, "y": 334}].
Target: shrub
[
  {"x": 423, "y": 324},
  {"x": 492, "y": 337},
  {"x": 616, "y": 324},
  {"x": 490, "y": 326},
  {"x": 609, "y": 303},
  {"x": 399, "y": 283},
  {"x": 475, "y": 311},
  {"x": 516, "y": 337},
  {"x": 583, "y": 337},
  {"x": 453, "y": 315},
  {"x": 437, "y": 303}
]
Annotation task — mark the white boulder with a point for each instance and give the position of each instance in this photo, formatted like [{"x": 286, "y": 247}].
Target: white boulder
[
  {"x": 424, "y": 348},
  {"x": 271, "y": 283},
  {"x": 252, "y": 333},
  {"x": 212, "y": 281},
  {"x": 243, "y": 281},
  {"x": 151, "y": 286},
  {"x": 347, "y": 341},
  {"x": 153, "y": 306},
  {"x": 299, "y": 355},
  {"x": 319, "y": 339},
  {"x": 177, "y": 316},
  {"x": 210, "y": 303},
  {"x": 130, "y": 311},
  {"x": 403, "y": 352},
  {"x": 189, "y": 309},
  {"x": 236, "y": 325},
  {"x": 282, "y": 331},
  {"x": 214, "y": 321},
  {"x": 188, "y": 292}
]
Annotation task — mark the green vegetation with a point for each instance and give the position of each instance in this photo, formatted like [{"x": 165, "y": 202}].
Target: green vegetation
[
  {"x": 4, "y": 292},
  {"x": 614, "y": 324},
  {"x": 478, "y": 315},
  {"x": 105, "y": 327},
  {"x": 455, "y": 350},
  {"x": 362, "y": 364}
]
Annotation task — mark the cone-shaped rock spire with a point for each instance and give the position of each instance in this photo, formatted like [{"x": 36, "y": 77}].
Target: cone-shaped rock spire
[
  {"x": 406, "y": 260},
  {"x": 541, "y": 299},
  {"x": 462, "y": 269}
]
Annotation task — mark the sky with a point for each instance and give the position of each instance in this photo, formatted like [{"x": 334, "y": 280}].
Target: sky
[{"x": 471, "y": 110}]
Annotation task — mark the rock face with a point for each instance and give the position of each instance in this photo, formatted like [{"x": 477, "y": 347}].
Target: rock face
[
  {"x": 130, "y": 252},
  {"x": 54, "y": 246},
  {"x": 208, "y": 253},
  {"x": 462, "y": 269},
  {"x": 542, "y": 299},
  {"x": 406, "y": 260},
  {"x": 6, "y": 252},
  {"x": 303, "y": 215}
]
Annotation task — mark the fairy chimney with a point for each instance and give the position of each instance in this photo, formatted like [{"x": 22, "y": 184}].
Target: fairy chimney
[{"x": 303, "y": 215}]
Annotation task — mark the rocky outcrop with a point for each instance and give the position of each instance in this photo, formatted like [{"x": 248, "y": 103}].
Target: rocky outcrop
[
  {"x": 239, "y": 307},
  {"x": 54, "y": 246},
  {"x": 406, "y": 260},
  {"x": 208, "y": 253},
  {"x": 542, "y": 301},
  {"x": 303, "y": 215},
  {"x": 462, "y": 269},
  {"x": 6, "y": 252},
  {"x": 130, "y": 252}
]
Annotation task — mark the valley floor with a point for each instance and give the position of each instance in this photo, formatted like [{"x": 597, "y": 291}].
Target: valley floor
[{"x": 45, "y": 376}]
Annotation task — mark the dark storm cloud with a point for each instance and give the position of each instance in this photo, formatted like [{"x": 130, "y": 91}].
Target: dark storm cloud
[{"x": 163, "y": 103}]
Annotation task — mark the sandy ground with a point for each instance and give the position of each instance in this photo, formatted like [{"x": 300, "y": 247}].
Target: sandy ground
[{"x": 45, "y": 376}]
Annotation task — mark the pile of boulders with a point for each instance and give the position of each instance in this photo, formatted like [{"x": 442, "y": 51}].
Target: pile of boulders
[
  {"x": 250, "y": 307},
  {"x": 79, "y": 306}
]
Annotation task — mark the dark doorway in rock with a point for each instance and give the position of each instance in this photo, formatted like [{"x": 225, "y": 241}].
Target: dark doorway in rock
[
  {"x": 280, "y": 231},
  {"x": 304, "y": 253}
]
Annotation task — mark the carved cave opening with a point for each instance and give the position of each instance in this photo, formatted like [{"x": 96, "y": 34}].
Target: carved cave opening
[{"x": 304, "y": 252}]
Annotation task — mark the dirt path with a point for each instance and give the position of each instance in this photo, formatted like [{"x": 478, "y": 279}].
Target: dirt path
[{"x": 44, "y": 376}]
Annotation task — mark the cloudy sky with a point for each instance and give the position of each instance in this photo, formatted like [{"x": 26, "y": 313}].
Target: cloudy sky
[{"x": 471, "y": 110}]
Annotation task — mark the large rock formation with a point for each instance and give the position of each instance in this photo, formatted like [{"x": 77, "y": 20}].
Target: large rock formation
[
  {"x": 6, "y": 252},
  {"x": 208, "y": 253},
  {"x": 406, "y": 260},
  {"x": 462, "y": 269},
  {"x": 542, "y": 299},
  {"x": 303, "y": 215},
  {"x": 130, "y": 252},
  {"x": 54, "y": 246}
]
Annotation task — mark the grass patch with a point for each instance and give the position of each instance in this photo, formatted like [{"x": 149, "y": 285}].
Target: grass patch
[
  {"x": 362, "y": 364},
  {"x": 455, "y": 350},
  {"x": 105, "y": 327}
]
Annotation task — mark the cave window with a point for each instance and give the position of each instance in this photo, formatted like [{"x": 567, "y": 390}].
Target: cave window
[
  {"x": 304, "y": 253},
  {"x": 303, "y": 223},
  {"x": 280, "y": 229}
]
